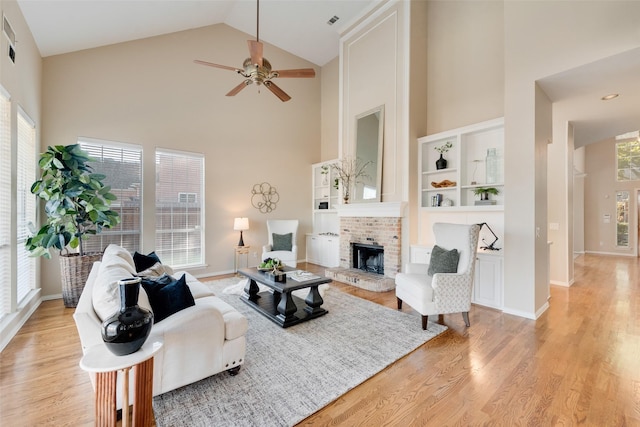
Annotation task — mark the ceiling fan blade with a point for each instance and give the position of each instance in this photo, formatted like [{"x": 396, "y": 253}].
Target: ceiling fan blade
[
  {"x": 211, "y": 64},
  {"x": 300, "y": 72},
  {"x": 255, "y": 50},
  {"x": 277, "y": 91},
  {"x": 235, "y": 90}
]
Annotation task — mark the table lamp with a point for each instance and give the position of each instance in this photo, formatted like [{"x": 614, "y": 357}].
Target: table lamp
[{"x": 241, "y": 224}]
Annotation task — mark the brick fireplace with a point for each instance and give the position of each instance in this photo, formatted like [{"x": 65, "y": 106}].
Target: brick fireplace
[{"x": 370, "y": 224}]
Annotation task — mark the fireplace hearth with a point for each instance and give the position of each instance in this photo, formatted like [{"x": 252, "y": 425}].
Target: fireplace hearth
[{"x": 368, "y": 258}]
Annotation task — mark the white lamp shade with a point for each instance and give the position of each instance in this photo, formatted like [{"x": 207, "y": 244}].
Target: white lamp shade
[{"x": 241, "y": 224}]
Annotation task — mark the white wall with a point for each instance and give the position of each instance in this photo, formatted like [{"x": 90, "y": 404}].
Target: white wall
[
  {"x": 575, "y": 33},
  {"x": 601, "y": 186},
  {"x": 330, "y": 133},
  {"x": 22, "y": 80},
  {"x": 149, "y": 92}
]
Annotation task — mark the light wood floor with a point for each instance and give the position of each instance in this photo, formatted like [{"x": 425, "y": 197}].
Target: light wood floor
[{"x": 579, "y": 364}]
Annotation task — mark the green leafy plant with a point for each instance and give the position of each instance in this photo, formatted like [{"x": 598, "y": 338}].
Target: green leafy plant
[
  {"x": 271, "y": 263},
  {"x": 444, "y": 148},
  {"x": 479, "y": 191},
  {"x": 77, "y": 202}
]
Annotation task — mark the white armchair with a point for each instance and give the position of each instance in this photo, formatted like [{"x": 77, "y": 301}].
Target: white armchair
[
  {"x": 442, "y": 293},
  {"x": 285, "y": 249}
]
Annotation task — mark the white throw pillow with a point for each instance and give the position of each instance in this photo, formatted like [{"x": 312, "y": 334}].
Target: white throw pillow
[{"x": 117, "y": 264}]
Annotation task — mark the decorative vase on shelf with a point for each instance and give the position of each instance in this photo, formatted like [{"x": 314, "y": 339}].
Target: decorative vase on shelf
[
  {"x": 127, "y": 330},
  {"x": 491, "y": 164},
  {"x": 346, "y": 199},
  {"x": 441, "y": 163}
]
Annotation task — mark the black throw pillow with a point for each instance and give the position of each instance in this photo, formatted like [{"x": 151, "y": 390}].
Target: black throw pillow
[
  {"x": 282, "y": 242},
  {"x": 443, "y": 261},
  {"x": 167, "y": 295},
  {"x": 143, "y": 262}
]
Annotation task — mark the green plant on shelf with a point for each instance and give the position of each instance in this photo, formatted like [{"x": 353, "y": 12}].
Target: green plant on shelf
[{"x": 484, "y": 192}]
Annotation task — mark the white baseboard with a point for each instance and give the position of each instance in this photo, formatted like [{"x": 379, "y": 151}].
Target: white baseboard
[
  {"x": 519, "y": 313},
  {"x": 51, "y": 297},
  {"x": 542, "y": 309},
  {"x": 610, "y": 253},
  {"x": 11, "y": 323}
]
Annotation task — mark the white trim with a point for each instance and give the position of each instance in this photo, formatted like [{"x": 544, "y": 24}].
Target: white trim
[
  {"x": 610, "y": 253},
  {"x": 384, "y": 209},
  {"x": 27, "y": 118},
  {"x": 5, "y": 93},
  {"x": 109, "y": 143},
  {"x": 521, "y": 313},
  {"x": 11, "y": 323},
  {"x": 179, "y": 152},
  {"x": 542, "y": 309}
]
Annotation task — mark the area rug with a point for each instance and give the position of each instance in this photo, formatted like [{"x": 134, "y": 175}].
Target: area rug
[{"x": 291, "y": 373}]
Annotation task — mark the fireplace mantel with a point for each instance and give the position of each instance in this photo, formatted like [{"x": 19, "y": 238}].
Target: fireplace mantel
[{"x": 383, "y": 209}]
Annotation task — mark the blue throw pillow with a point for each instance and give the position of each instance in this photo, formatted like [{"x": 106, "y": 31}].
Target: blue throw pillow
[
  {"x": 443, "y": 261},
  {"x": 143, "y": 262},
  {"x": 167, "y": 295},
  {"x": 282, "y": 242}
]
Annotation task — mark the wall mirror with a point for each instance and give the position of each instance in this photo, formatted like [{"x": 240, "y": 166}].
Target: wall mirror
[{"x": 369, "y": 139}]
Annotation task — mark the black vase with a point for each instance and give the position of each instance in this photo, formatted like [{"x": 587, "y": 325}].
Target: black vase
[
  {"x": 127, "y": 330},
  {"x": 441, "y": 163}
]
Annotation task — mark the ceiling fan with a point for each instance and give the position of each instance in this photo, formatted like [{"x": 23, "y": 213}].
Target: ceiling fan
[{"x": 256, "y": 69}]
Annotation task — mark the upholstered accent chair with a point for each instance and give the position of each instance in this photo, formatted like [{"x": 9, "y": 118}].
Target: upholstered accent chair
[
  {"x": 433, "y": 292},
  {"x": 282, "y": 241}
]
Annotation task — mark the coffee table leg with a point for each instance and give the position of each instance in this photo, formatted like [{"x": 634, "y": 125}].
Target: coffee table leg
[
  {"x": 314, "y": 301},
  {"x": 251, "y": 289},
  {"x": 287, "y": 308}
]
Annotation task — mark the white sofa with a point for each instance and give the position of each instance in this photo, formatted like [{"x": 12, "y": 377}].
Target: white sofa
[{"x": 199, "y": 341}]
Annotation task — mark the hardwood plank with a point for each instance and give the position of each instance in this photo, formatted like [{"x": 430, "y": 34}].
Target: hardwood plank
[{"x": 576, "y": 364}]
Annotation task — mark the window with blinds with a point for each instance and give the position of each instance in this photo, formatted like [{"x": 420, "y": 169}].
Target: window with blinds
[
  {"x": 179, "y": 208},
  {"x": 122, "y": 166},
  {"x": 26, "y": 202},
  {"x": 5, "y": 202}
]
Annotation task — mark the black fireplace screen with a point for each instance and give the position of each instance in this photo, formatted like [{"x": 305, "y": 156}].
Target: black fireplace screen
[{"x": 369, "y": 258}]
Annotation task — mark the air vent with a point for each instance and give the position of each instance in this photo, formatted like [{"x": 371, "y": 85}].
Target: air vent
[
  {"x": 11, "y": 36},
  {"x": 333, "y": 20}
]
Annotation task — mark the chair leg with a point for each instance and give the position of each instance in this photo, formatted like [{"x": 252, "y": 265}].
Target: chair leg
[
  {"x": 399, "y": 303},
  {"x": 424, "y": 322},
  {"x": 465, "y": 317}
]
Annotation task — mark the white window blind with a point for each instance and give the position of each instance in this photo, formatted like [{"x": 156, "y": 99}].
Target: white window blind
[
  {"x": 5, "y": 203},
  {"x": 26, "y": 202},
  {"x": 122, "y": 166},
  {"x": 179, "y": 208}
]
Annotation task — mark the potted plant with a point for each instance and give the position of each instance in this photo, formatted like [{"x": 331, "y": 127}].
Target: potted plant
[
  {"x": 484, "y": 192},
  {"x": 350, "y": 172},
  {"x": 77, "y": 206},
  {"x": 441, "y": 163}
]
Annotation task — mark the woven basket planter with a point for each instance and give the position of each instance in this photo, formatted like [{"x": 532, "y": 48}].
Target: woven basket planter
[{"x": 74, "y": 270}]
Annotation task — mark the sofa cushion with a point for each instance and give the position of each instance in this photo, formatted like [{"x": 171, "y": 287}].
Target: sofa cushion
[
  {"x": 142, "y": 262},
  {"x": 443, "y": 261},
  {"x": 117, "y": 264},
  {"x": 282, "y": 242},
  {"x": 167, "y": 295},
  {"x": 235, "y": 324}
]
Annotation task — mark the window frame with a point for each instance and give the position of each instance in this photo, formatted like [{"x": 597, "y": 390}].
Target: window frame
[
  {"x": 110, "y": 235},
  {"x": 162, "y": 202},
  {"x": 630, "y": 144}
]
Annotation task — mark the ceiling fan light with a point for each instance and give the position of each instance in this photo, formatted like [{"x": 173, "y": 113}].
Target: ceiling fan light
[{"x": 610, "y": 96}]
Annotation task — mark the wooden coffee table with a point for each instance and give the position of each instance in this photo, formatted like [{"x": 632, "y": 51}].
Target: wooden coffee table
[{"x": 281, "y": 306}]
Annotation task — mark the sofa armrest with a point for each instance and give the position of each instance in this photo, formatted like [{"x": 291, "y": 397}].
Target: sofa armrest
[{"x": 266, "y": 248}]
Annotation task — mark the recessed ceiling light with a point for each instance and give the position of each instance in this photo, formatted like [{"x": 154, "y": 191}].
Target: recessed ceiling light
[{"x": 610, "y": 96}]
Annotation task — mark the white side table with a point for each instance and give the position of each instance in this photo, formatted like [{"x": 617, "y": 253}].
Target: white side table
[
  {"x": 106, "y": 365},
  {"x": 241, "y": 251}
]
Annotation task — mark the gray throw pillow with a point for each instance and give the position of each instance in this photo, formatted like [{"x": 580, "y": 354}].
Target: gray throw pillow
[
  {"x": 282, "y": 242},
  {"x": 443, "y": 261}
]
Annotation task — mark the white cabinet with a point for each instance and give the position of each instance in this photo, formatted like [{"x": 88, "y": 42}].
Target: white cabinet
[
  {"x": 452, "y": 188},
  {"x": 487, "y": 283},
  {"x": 323, "y": 250}
]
